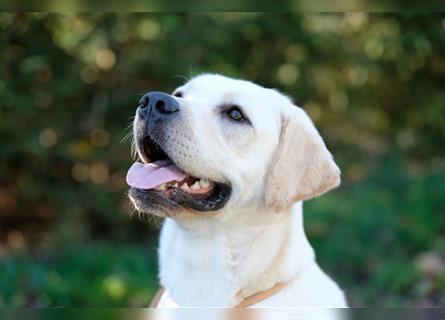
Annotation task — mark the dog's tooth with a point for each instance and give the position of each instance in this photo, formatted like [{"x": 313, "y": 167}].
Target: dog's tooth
[
  {"x": 196, "y": 186},
  {"x": 204, "y": 183},
  {"x": 185, "y": 187},
  {"x": 162, "y": 187},
  {"x": 175, "y": 185}
]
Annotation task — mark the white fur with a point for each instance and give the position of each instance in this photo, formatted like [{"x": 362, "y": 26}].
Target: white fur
[
  {"x": 257, "y": 240},
  {"x": 212, "y": 263}
]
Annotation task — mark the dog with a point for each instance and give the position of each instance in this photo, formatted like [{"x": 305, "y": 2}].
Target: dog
[{"x": 228, "y": 163}]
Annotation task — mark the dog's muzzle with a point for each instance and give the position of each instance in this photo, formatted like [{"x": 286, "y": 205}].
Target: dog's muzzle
[{"x": 158, "y": 182}]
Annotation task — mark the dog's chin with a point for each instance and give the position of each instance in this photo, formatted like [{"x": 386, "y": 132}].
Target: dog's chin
[{"x": 175, "y": 202}]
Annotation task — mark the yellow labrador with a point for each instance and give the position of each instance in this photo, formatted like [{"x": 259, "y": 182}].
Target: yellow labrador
[{"x": 228, "y": 163}]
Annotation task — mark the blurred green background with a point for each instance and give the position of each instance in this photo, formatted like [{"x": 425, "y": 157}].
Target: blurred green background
[{"x": 69, "y": 84}]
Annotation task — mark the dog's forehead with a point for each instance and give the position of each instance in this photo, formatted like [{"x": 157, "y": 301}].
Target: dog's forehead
[{"x": 221, "y": 86}]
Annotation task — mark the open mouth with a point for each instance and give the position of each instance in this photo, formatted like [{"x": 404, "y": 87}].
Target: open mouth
[{"x": 162, "y": 177}]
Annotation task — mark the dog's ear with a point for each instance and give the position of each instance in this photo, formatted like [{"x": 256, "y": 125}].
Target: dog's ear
[{"x": 302, "y": 167}]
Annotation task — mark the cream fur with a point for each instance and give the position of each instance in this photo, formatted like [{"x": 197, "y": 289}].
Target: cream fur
[
  {"x": 219, "y": 263},
  {"x": 302, "y": 168},
  {"x": 257, "y": 239}
]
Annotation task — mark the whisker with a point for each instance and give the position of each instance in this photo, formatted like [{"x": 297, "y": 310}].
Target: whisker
[
  {"x": 158, "y": 225},
  {"x": 191, "y": 71},
  {"x": 134, "y": 151},
  {"x": 181, "y": 77},
  {"x": 129, "y": 128},
  {"x": 127, "y": 136}
]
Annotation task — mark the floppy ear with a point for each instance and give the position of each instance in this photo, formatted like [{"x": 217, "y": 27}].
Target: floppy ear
[{"x": 302, "y": 167}]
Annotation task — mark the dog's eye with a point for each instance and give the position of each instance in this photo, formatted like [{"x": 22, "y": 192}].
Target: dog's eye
[
  {"x": 235, "y": 113},
  {"x": 178, "y": 94}
]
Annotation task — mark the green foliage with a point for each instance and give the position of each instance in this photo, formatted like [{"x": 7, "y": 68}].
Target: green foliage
[
  {"x": 69, "y": 84},
  {"x": 371, "y": 236},
  {"x": 94, "y": 274}
]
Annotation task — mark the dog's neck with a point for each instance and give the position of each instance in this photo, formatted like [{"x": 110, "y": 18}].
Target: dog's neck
[{"x": 215, "y": 262}]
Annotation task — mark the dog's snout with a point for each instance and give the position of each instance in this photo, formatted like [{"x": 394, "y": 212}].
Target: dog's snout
[{"x": 157, "y": 104}]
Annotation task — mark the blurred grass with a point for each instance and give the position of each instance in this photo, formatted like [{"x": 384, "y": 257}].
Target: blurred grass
[
  {"x": 96, "y": 274},
  {"x": 377, "y": 237}
]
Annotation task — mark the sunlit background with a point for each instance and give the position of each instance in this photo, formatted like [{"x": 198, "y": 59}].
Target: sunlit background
[{"x": 374, "y": 84}]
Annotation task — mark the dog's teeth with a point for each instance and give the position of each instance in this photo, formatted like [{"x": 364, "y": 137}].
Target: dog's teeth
[
  {"x": 204, "y": 183},
  {"x": 175, "y": 185},
  {"x": 185, "y": 187},
  {"x": 196, "y": 186},
  {"x": 162, "y": 187}
]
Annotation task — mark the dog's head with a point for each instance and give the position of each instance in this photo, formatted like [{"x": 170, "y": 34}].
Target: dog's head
[{"x": 218, "y": 143}]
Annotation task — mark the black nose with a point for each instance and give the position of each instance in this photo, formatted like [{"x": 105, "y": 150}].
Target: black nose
[{"x": 157, "y": 104}]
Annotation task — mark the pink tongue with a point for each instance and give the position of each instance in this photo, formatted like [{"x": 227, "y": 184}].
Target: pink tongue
[{"x": 151, "y": 175}]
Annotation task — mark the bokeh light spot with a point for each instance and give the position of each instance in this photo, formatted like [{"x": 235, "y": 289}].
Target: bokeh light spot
[
  {"x": 373, "y": 48},
  {"x": 288, "y": 73},
  {"x": 357, "y": 76},
  {"x": 99, "y": 137},
  {"x": 105, "y": 59},
  {"x": 430, "y": 263},
  {"x": 98, "y": 172},
  {"x": 114, "y": 287},
  {"x": 356, "y": 20},
  {"x": 148, "y": 29},
  {"x": 81, "y": 148},
  {"x": 15, "y": 239},
  {"x": 405, "y": 138},
  {"x": 89, "y": 74},
  {"x": 48, "y": 137},
  {"x": 80, "y": 172}
]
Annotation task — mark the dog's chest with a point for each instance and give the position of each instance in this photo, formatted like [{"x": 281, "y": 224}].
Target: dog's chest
[
  {"x": 193, "y": 266},
  {"x": 209, "y": 267}
]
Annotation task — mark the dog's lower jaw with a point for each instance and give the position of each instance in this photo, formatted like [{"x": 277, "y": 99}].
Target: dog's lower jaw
[{"x": 206, "y": 263}]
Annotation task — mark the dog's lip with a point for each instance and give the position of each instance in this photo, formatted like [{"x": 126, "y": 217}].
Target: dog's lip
[
  {"x": 189, "y": 189},
  {"x": 214, "y": 200}
]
